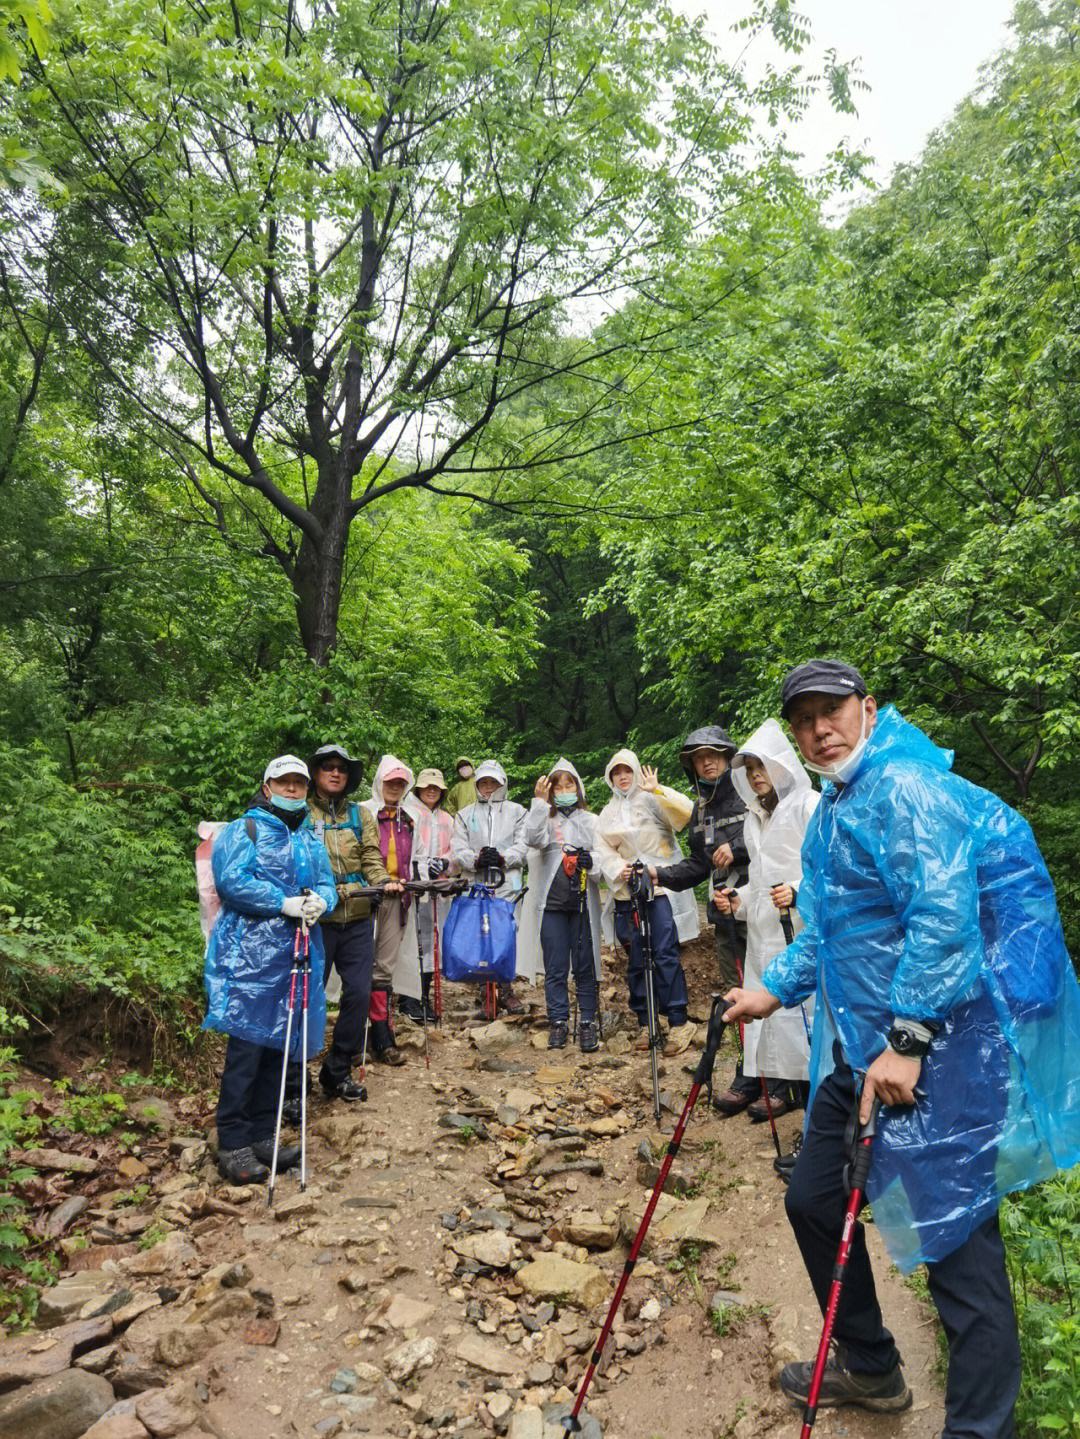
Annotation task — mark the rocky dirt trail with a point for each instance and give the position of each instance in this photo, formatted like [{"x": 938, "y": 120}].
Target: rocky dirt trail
[{"x": 447, "y": 1270}]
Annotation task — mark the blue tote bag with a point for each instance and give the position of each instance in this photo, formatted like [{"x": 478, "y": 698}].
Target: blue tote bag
[{"x": 479, "y": 941}]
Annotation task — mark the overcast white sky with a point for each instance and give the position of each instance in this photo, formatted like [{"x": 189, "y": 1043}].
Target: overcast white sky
[{"x": 919, "y": 58}]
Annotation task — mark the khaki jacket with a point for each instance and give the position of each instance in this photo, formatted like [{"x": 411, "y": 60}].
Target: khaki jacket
[{"x": 350, "y": 856}]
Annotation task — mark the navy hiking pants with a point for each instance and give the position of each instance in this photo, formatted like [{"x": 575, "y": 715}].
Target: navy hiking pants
[
  {"x": 671, "y": 996},
  {"x": 969, "y": 1287}
]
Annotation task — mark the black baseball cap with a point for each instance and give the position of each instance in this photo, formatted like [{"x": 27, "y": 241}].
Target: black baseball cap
[{"x": 822, "y": 677}]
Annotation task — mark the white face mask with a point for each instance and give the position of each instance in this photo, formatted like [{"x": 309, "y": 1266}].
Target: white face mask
[{"x": 844, "y": 769}]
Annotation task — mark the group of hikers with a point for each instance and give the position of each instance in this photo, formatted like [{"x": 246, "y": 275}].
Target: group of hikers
[{"x": 900, "y": 916}]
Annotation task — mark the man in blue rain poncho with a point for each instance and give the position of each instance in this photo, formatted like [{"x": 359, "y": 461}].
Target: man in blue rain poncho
[
  {"x": 271, "y": 875},
  {"x": 934, "y": 949}
]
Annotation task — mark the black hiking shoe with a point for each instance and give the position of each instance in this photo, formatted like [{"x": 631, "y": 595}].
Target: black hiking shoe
[
  {"x": 588, "y": 1036},
  {"x": 241, "y": 1166},
  {"x": 290, "y": 1113},
  {"x": 884, "y": 1393},
  {"x": 348, "y": 1089},
  {"x": 288, "y": 1155},
  {"x": 411, "y": 1009},
  {"x": 558, "y": 1034}
]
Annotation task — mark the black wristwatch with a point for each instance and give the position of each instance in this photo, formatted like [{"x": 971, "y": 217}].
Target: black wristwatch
[{"x": 910, "y": 1038}]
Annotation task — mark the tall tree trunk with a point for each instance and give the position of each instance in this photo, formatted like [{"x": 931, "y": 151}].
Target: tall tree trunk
[{"x": 320, "y": 567}]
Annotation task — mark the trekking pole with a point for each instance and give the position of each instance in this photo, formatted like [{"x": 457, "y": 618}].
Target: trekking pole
[
  {"x": 857, "y": 1176},
  {"x": 420, "y": 962},
  {"x": 493, "y": 878},
  {"x": 436, "y": 966},
  {"x": 766, "y": 1096},
  {"x": 642, "y": 923},
  {"x": 305, "y": 976},
  {"x": 785, "y": 918},
  {"x": 294, "y": 975},
  {"x": 702, "y": 1080}
]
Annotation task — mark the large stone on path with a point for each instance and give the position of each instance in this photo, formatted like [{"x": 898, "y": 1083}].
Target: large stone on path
[
  {"x": 185, "y": 1344},
  {"x": 174, "y": 1252},
  {"x": 550, "y": 1276},
  {"x": 554, "y": 1414},
  {"x": 61, "y": 1407},
  {"x": 65, "y": 1300},
  {"x": 403, "y": 1362},
  {"x": 491, "y": 1037},
  {"x": 166, "y": 1412},
  {"x": 57, "y": 1161},
  {"x": 406, "y": 1313},
  {"x": 526, "y": 1424},
  {"x": 590, "y": 1230},
  {"x": 492, "y": 1247},
  {"x": 484, "y": 1354},
  {"x": 31, "y": 1356},
  {"x": 121, "y": 1422}
]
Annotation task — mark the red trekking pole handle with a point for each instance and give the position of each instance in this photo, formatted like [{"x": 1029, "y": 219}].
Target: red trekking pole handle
[{"x": 858, "y": 1173}]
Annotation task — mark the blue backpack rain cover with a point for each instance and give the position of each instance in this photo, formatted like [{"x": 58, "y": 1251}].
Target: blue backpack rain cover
[{"x": 479, "y": 941}]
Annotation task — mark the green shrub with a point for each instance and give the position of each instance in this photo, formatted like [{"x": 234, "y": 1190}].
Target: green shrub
[{"x": 1042, "y": 1235}]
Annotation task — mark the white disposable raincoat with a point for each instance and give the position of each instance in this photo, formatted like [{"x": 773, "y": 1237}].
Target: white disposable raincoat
[
  {"x": 547, "y": 835},
  {"x": 432, "y": 839},
  {"x": 406, "y": 970},
  {"x": 778, "y": 1047},
  {"x": 500, "y": 823},
  {"x": 640, "y": 826}
]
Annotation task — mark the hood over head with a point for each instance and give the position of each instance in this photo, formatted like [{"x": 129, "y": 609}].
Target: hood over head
[
  {"x": 463, "y": 759},
  {"x": 568, "y": 767},
  {"x": 386, "y": 766},
  {"x": 627, "y": 757},
  {"x": 356, "y": 766},
  {"x": 772, "y": 747},
  {"x": 491, "y": 769},
  {"x": 710, "y": 736}
]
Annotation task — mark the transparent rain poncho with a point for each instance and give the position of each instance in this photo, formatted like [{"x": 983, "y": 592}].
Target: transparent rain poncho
[
  {"x": 250, "y": 950},
  {"x": 926, "y": 897}
]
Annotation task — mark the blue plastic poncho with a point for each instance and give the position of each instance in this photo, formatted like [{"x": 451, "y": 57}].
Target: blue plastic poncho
[
  {"x": 926, "y": 897},
  {"x": 250, "y": 951}
]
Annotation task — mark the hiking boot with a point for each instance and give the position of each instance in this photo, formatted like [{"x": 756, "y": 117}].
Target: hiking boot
[
  {"x": 241, "y": 1166},
  {"x": 785, "y": 1163},
  {"x": 558, "y": 1034},
  {"x": 390, "y": 1055},
  {"x": 679, "y": 1037},
  {"x": 884, "y": 1393},
  {"x": 509, "y": 1002},
  {"x": 732, "y": 1101},
  {"x": 641, "y": 1044},
  {"x": 588, "y": 1036},
  {"x": 411, "y": 1009},
  {"x": 288, "y": 1155},
  {"x": 349, "y": 1089},
  {"x": 781, "y": 1101},
  {"x": 290, "y": 1113}
]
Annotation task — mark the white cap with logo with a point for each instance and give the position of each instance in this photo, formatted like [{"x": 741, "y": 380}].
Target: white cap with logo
[{"x": 285, "y": 764}]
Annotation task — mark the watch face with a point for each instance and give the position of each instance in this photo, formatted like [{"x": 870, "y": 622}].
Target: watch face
[{"x": 901, "y": 1040}]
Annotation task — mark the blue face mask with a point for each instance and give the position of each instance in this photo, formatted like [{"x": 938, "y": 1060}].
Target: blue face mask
[
  {"x": 566, "y": 799},
  {"x": 289, "y": 806}
]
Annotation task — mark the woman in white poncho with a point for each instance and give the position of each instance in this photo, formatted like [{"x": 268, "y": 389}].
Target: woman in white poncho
[
  {"x": 563, "y": 914},
  {"x": 639, "y": 824},
  {"x": 780, "y": 799}
]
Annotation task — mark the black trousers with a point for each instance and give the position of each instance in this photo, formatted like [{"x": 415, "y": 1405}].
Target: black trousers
[
  {"x": 565, "y": 940},
  {"x": 248, "y": 1097},
  {"x": 671, "y": 996},
  {"x": 350, "y": 948},
  {"x": 730, "y": 954},
  {"x": 970, "y": 1287}
]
